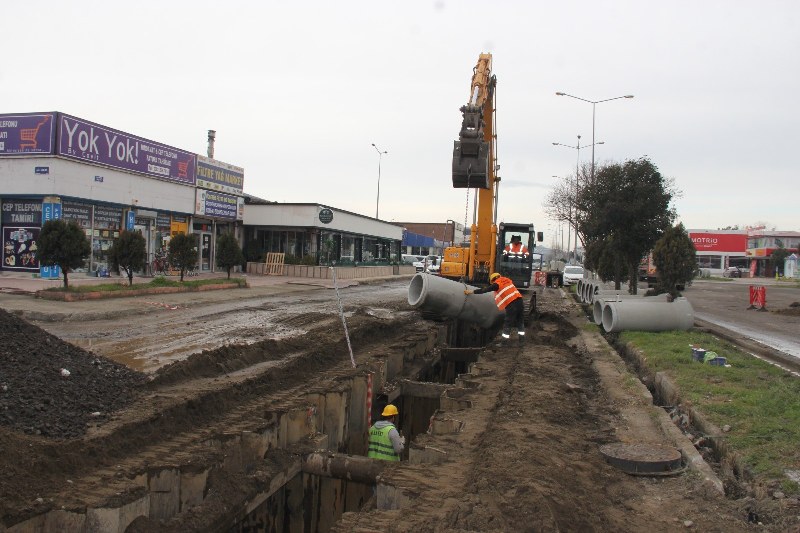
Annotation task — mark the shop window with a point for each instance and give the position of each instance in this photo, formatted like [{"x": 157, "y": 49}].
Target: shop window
[{"x": 709, "y": 261}]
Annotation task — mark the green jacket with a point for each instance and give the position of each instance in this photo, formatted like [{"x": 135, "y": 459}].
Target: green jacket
[{"x": 380, "y": 445}]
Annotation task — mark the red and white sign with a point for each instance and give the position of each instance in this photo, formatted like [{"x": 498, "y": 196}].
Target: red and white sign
[
  {"x": 719, "y": 242},
  {"x": 758, "y": 296}
]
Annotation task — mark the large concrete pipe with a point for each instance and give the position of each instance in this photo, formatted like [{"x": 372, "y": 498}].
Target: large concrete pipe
[
  {"x": 342, "y": 466},
  {"x": 646, "y": 315},
  {"x": 445, "y": 297},
  {"x": 602, "y": 297}
]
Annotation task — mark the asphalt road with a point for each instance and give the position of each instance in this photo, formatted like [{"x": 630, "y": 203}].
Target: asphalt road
[{"x": 724, "y": 304}]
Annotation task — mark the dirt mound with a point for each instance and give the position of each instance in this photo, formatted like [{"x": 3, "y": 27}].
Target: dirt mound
[{"x": 54, "y": 389}]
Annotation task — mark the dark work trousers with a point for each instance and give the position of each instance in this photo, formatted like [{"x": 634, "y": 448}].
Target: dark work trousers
[{"x": 515, "y": 312}]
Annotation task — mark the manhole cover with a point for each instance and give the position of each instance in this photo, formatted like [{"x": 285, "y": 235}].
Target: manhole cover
[{"x": 643, "y": 459}]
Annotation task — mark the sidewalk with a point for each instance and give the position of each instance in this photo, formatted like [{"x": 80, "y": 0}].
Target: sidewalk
[{"x": 18, "y": 294}]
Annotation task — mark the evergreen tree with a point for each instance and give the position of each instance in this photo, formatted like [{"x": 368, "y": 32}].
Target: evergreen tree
[
  {"x": 674, "y": 256},
  {"x": 128, "y": 252},
  {"x": 183, "y": 252},
  {"x": 63, "y": 244},
  {"x": 778, "y": 257},
  {"x": 229, "y": 254}
]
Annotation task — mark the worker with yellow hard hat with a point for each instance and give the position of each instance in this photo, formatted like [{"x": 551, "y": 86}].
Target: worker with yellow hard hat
[
  {"x": 508, "y": 299},
  {"x": 385, "y": 441}
]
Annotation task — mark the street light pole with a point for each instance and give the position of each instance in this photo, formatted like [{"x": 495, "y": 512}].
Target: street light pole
[
  {"x": 594, "y": 103},
  {"x": 378, "y": 199}
]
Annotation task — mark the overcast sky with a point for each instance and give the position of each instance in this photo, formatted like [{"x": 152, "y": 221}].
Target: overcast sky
[{"x": 299, "y": 91}]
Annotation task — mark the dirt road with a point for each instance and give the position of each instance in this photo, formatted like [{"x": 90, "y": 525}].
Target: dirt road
[{"x": 527, "y": 459}]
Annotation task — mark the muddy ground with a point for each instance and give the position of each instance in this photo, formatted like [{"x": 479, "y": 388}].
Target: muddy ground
[{"x": 527, "y": 461}]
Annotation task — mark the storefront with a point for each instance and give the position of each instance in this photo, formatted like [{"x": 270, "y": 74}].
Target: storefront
[
  {"x": 720, "y": 249},
  {"x": 318, "y": 234},
  {"x": 59, "y": 166},
  {"x": 761, "y": 244}
]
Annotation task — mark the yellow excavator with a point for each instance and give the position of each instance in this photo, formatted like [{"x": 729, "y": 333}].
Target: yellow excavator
[{"x": 474, "y": 167}]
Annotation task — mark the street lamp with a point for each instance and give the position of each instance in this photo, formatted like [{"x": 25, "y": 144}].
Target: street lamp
[
  {"x": 577, "y": 185},
  {"x": 594, "y": 103},
  {"x": 378, "y": 199}
]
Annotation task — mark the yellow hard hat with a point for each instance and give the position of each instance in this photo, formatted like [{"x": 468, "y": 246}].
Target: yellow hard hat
[
  {"x": 389, "y": 410},
  {"x": 493, "y": 276}
]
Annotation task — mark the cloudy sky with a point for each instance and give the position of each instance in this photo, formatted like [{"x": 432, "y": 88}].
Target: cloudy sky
[{"x": 299, "y": 91}]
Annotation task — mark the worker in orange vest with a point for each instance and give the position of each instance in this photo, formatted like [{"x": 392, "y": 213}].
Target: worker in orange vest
[
  {"x": 508, "y": 299},
  {"x": 515, "y": 249}
]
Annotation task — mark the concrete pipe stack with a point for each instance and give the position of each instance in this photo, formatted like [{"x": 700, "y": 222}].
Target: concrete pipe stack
[{"x": 607, "y": 296}]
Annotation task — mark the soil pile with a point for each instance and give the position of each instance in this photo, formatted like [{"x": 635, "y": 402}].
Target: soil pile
[{"x": 54, "y": 389}]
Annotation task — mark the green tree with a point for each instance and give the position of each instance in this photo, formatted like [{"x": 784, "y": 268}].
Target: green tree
[
  {"x": 63, "y": 244},
  {"x": 627, "y": 209},
  {"x": 128, "y": 253},
  {"x": 183, "y": 252},
  {"x": 778, "y": 257},
  {"x": 674, "y": 256},
  {"x": 229, "y": 254}
]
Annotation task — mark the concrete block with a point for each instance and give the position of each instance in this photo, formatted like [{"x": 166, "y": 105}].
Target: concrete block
[
  {"x": 426, "y": 455},
  {"x": 193, "y": 488},
  {"x": 165, "y": 494},
  {"x": 334, "y": 421},
  {"x": 299, "y": 424},
  {"x": 445, "y": 426},
  {"x": 116, "y": 520}
]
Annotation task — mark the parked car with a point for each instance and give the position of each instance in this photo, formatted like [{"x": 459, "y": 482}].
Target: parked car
[
  {"x": 572, "y": 274},
  {"x": 427, "y": 263},
  {"x": 732, "y": 272}
]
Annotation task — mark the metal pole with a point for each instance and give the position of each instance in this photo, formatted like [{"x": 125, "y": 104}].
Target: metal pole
[
  {"x": 378, "y": 199},
  {"x": 380, "y": 155},
  {"x": 577, "y": 173},
  {"x": 593, "y": 108}
]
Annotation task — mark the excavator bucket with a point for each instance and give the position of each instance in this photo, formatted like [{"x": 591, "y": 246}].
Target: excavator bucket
[{"x": 471, "y": 152}]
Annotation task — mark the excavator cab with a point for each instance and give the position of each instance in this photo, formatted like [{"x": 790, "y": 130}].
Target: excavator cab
[{"x": 471, "y": 152}]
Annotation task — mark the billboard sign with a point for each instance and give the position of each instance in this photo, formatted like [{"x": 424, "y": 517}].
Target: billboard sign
[
  {"x": 219, "y": 205},
  {"x": 27, "y": 134},
  {"x": 218, "y": 176},
  {"x": 93, "y": 143},
  {"x": 719, "y": 242}
]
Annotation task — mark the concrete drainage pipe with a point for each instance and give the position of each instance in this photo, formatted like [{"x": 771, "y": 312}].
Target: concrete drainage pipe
[
  {"x": 604, "y": 297},
  {"x": 645, "y": 315},
  {"x": 446, "y": 298}
]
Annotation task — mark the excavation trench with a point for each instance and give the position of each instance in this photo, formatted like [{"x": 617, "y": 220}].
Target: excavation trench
[{"x": 264, "y": 437}]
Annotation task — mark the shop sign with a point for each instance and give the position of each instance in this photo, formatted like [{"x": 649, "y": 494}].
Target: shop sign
[
  {"x": 218, "y": 176},
  {"x": 180, "y": 224},
  {"x": 22, "y": 213},
  {"x": 217, "y": 204},
  {"x": 27, "y": 134},
  {"x": 19, "y": 248},
  {"x": 93, "y": 143},
  {"x": 80, "y": 213},
  {"x": 107, "y": 217},
  {"x": 719, "y": 242},
  {"x": 50, "y": 211},
  {"x": 41, "y": 170},
  {"x": 162, "y": 220},
  {"x": 326, "y": 216}
]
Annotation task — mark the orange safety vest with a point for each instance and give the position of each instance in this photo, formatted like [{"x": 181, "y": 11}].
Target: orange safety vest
[
  {"x": 516, "y": 249},
  {"x": 506, "y": 294}
]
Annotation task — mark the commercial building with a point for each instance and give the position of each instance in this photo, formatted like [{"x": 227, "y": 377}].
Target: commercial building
[
  {"x": 749, "y": 249},
  {"x": 314, "y": 233},
  {"x": 54, "y": 165}
]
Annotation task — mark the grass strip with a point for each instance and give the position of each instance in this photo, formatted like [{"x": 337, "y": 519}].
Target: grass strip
[
  {"x": 159, "y": 281},
  {"x": 760, "y": 402}
]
